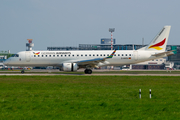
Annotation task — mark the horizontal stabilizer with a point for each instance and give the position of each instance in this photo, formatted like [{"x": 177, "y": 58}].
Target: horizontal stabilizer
[{"x": 168, "y": 53}]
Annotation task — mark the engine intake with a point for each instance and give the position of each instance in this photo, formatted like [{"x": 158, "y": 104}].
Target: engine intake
[{"x": 69, "y": 67}]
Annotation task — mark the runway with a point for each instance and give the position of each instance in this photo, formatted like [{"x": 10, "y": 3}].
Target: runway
[
  {"x": 6, "y": 74},
  {"x": 95, "y": 73}
]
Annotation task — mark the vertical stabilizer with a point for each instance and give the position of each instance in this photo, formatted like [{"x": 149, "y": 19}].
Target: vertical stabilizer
[{"x": 160, "y": 41}]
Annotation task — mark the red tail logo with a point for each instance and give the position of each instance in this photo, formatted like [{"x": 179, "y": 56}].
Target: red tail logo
[{"x": 157, "y": 46}]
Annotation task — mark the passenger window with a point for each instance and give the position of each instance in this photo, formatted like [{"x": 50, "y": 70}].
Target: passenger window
[
  {"x": 100, "y": 54},
  {"x": 81, "y": 55},
  {"x": 65, "y": 55},
  {"x": 49, "y": 55},
  {"x": 104, "y": 55},
  {"x": 93, "y": 55},
  {"x": 85, "y": 55},
  {"x": 53, "y": 55},
  {"x": 97, "y": 55},
  {"x": 57, "y": 55},
  {"x": 89, "y": 54},
  {"x": 118, "y": 54},
  {"x": 73, "y": 55},
  {"x": 69, "y": 55},
  {"x": 122, "y": 54},
  {"x": 42, "y": 55},
  {"x": 107, "y": 54},
  {"x": 77, "y": 55},
  {"x": 126, "y": 54},
  {"x": 46, "y": 55},
  {"x": 114, "y": 54},
  {"x": 34, "y": 55},
  {"x": 129, "y": 54}
]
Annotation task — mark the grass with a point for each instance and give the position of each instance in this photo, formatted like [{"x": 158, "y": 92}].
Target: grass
[{"x": 89, "y": 97}]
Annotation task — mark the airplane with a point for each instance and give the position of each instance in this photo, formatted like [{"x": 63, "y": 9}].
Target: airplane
[{"x": 88, "y": 59}]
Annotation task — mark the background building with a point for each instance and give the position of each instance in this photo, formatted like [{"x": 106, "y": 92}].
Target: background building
[
  {"x": 152, "y": 64},
  {"x": 105, "y": 45},
  {"x": 3, "y": 56},
  {"x": 107, "y": 41},
  {"x": 176, "y": 57}
]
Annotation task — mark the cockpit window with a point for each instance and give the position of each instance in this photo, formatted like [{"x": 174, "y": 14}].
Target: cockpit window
[{"x": 15, "y": 55}]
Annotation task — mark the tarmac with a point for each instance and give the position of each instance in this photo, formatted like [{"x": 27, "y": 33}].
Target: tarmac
[
  {"x": 52, "y": 73},
  {"x": 90, "y": 74}
]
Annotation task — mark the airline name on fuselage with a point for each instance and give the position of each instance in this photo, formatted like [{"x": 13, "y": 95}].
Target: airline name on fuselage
[
  {"x": 125, "y": 57},
  {"x": 55, "y": 53}
]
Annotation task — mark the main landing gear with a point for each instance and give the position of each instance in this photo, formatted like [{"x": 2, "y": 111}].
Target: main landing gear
[
  {"x": 22, "y": 71},
  {"x": 87, "y": 71}
]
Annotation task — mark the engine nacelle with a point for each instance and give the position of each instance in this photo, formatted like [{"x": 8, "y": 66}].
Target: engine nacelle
[{"x": 69, "y": 67}]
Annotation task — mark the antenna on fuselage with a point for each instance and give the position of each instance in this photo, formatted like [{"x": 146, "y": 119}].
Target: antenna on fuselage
[{"x": 29, "y": 45}]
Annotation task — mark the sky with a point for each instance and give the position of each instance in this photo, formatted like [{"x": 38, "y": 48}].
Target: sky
[{"x": 58, "y": 23}]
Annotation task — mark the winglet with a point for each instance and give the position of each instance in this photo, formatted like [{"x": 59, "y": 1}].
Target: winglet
[{"x": 112, "y": 54}]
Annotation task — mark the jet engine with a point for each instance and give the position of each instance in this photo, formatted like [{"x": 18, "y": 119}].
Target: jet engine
[{"x": 69, "y": 67}]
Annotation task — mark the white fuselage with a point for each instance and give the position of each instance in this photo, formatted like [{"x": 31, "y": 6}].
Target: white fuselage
[{"x": 57, "y": 58}]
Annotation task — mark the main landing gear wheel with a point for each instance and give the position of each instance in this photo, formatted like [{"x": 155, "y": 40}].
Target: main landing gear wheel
[
  {"x": 22, "y": 71},
  {"x": 87, "y": 71}
]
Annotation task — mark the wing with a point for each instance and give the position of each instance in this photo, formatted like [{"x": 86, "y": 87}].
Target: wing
[{"x": 94, "y": 62}]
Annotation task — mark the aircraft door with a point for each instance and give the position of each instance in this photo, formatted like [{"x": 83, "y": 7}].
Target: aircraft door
[
  {"x": 135, "y": 55},
  {"x": 28, "y": 56}
]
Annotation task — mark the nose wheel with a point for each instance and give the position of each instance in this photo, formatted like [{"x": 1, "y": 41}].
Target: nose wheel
[{"x": 87, "y": 71}]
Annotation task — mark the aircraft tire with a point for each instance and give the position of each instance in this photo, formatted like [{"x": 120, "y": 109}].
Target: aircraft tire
[
  {"x": 87, "y": 71},
  {"x": 22, "y": 71}
]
